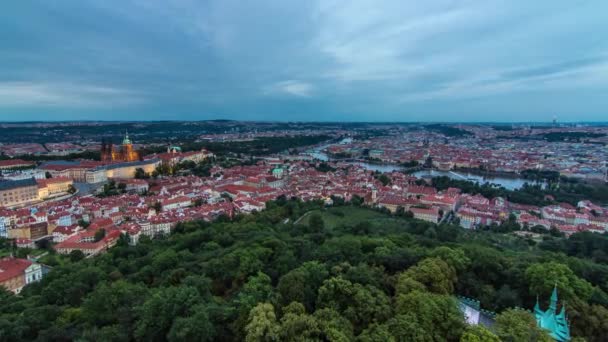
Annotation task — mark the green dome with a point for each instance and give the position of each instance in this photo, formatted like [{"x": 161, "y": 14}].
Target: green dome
[{"x": 126, "y": 140}]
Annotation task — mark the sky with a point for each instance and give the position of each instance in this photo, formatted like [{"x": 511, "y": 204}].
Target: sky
[{"x": 284, "y": 60}]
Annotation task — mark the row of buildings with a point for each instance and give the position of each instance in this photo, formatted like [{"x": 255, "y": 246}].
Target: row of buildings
[
  {"x": 248, "y": 188},
  {"x": 488, "y": 151},
  {"x": 23, "y": 192}
]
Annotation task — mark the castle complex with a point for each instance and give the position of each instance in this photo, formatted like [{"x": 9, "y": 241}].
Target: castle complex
[{"x": 124, "y": 153}]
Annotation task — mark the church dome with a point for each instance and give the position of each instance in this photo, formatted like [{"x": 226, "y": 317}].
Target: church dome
[{"x": 126, "y": 140}]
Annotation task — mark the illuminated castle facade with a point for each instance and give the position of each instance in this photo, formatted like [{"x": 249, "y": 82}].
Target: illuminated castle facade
[{"x": 123, "y": 153}]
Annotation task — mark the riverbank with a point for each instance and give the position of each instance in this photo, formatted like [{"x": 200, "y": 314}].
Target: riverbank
[
  {"x": 509, "y": 183},
  {"x": 508, "y": 180}
]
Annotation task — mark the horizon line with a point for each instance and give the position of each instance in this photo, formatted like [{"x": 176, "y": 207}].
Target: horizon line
[{"x": 310, "y": 122}]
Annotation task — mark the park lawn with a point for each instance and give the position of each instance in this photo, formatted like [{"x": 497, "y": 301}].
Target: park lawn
[
  {"x": 37, "y": 252},
  {"x": 351, "y": 216}
]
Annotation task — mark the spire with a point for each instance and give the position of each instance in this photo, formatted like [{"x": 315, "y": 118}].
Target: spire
[
  {"x": 553, "y": 305},
  {"x": 552, "y": 321},
  {"x": 562, "y": 313},
  {"x": 126, "y": 141},
  {"x": 537, "y": 306}
]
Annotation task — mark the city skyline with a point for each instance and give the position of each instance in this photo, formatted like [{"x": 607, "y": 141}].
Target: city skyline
[{"x": 323, "y": 61}]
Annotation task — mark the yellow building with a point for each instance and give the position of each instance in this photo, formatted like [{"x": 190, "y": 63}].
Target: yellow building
[
  {"x": 19, "y": 192},
  {"x": 52, "y": 187},
  {"x": 127, "y": 169}
]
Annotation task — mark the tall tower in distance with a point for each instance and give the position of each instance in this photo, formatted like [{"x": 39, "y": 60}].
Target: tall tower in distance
[
  {"x": 554, "y": 121},
  {"x": 124, "y": 153},
  {"x": 106, "y": 150},
  {"x": 128, "y": 154}
]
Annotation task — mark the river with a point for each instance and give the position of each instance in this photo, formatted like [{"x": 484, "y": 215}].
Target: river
[{"x": 510, "y": 183}]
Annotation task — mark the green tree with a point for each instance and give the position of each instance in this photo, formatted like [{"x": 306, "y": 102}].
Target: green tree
[
  {"x": 456, "y": 258},
  {"x": 113, "y": 303},
  {"x": 384, "y": 179},
  {"x": 478, "y": 333},
  {"x": 84, "y": 224},
  {"x": 99, "y": 234},
  {"x": 297, "y": 325},
  {"x": 302, "y": 283},
  {"x": 334, "y": 327},
  {"x": 589, "y": 320},
  {"x": 376, "y": 333},
  {"x": 316, "y": 223},
  {"x": 157, "y": 314},
  {"x": 108, "y": 333},
  {"x": 406, "y": 327},
  {"x": 263, "y": 325},
  {"x": 426, "y": 316},
  {"x": 195, "y": 327},
  {"x": 257, "y": 289},
  {"x": 358, "y": 303},
  {"x": 406, "y": 284},
  {"x": 434, "y": 273},
  {"x": 140, "y": 173},
  {"x": 543, "y": 277},
  {"x": 76, "y": 255},
  {"x": 516, "y": 325}
]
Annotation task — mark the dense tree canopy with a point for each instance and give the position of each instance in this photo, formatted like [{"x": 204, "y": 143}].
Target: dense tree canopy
[
  {"x": 262, "y": 277},
  {"x": 515, "y": 325}
]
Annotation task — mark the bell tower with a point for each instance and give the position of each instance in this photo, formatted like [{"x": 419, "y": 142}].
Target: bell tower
[{"x": 128, "y": 154}]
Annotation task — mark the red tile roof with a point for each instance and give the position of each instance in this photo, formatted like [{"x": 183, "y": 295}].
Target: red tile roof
[
  {"x": 12, "y": 267},
  {"x": 14, "y": 163}
]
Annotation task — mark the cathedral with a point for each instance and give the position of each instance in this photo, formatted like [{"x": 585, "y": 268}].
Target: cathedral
[
  {"x": 123, "y": 153},
  {"x": 556, "y": 323}
]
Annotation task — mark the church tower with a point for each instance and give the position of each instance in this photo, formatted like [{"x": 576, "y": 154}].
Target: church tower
[
  {"x": 106, "y": 150},
  {"x": 128, "y": 154},
  {"x": 555, "y": 323},
  {"x": 122, "y": 153}
]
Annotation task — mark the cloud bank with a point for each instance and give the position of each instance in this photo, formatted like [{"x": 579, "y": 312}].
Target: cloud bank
[{"x": 329, "y": 60}]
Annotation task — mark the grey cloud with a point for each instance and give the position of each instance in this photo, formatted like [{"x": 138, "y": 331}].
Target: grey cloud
[{"x": 276, "y": 59}]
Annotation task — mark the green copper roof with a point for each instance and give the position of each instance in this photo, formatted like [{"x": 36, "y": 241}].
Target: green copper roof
[
  {"x": 470, "y": 302},
  {"x": 554, "y": 298},
  {"x": 550, "y": 320},
  {"x": 537, "y": 309},
  {"x": 126, "y": 140}
]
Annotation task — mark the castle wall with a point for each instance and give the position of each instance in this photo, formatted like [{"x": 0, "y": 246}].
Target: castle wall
[{"x": 128, "y": 171}]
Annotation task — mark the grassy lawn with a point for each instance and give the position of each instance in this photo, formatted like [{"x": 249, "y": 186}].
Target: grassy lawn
[
  {"x": 349, "y": 216},
  {"x": 37, "y": 252}
]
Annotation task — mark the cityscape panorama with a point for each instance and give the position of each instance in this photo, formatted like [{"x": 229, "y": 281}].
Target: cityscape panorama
[{"x": 330, "y": 171}]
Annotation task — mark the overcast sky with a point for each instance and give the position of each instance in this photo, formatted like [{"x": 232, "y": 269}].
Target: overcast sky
[{"x": 403, "y": 60}]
